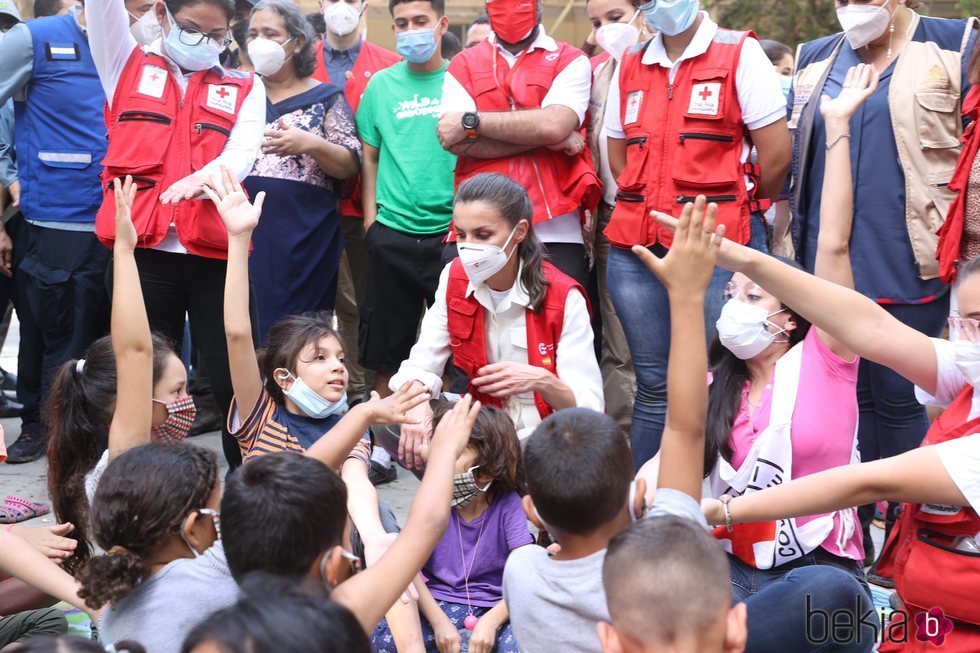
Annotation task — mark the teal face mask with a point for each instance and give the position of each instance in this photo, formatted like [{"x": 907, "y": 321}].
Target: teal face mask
[
  {"x": 417, "y": 45},
  {"x": 311, "y": 403},
  {"x": 670, "y": 16}
]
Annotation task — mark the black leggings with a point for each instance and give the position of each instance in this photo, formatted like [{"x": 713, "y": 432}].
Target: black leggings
[{"x": 175, "y": 285}]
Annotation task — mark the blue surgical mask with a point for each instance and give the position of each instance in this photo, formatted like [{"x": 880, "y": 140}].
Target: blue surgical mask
[
  {"x": 198, "y": 57},
  {"x": 670, "y": 16},
  {"x": 311, "y": 403},
  {"x": 786, "y": 81},
  {"x": 417, "y": 45}
]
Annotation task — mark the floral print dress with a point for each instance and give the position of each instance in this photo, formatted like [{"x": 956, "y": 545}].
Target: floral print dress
[{"x": 298, "y": 243}]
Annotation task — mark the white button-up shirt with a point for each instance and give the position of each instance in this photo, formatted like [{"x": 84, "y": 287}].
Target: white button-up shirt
[{"x": 506, "y": 334}]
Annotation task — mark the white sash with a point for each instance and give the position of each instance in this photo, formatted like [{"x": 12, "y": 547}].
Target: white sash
[{"x": 770, "y": 463}]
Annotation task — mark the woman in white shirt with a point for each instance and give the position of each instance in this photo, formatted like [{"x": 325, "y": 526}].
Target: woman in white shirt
[
  {"x": 514, "y": 324},
  {"x": 174, "y": 118}
]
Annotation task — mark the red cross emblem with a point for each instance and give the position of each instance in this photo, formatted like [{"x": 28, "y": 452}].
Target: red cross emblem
[
  {"x": 154, "y": 77},
  {"x": 223, "y": 93},
  {"x": 704, "y": 94}
]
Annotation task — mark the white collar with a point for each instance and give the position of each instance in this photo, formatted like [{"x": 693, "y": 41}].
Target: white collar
[
  {"x": 656, "y": 53},
  {"x": 542, "y": 41},
  {"x": 518, "y": 293},
  {"x": 76, "y": 11}
]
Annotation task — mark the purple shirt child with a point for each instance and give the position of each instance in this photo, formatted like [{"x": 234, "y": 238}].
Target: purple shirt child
[{"x": 504, "y": 529}]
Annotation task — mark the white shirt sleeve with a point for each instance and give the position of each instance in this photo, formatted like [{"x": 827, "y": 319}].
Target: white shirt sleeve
[
  {"x": 576, "y": 364},
  {"x": 668, "y": 502},
  {"x": 760, "y": 95},
  {"x": 612, "y": 121},
  {"x": 428, "y": 357},
  {"x": 110, "y": 40},
  {"x": 961, "y": 458},
  {"x": 246, "y": 136},
  {"x": 571, "y": 88},
  {"x": 455, "y": 97},
  {"x": 949, "y": 380}
]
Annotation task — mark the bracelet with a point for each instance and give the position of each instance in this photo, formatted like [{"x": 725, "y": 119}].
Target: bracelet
[
  {"x": 725, "y": 500},
  {"x": 838, "y": 140}
]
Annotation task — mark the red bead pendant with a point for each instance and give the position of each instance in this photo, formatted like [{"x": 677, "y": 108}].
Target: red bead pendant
[{"x": 470, "y": 622}]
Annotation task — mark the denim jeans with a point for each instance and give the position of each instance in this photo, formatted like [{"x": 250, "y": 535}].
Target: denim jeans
[
  {"x": 641, "y": 302},
  {"x": 792, "y": 607}
]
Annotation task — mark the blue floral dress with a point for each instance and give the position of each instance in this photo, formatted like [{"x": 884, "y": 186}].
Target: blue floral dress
[{"x": 298, "y": 242}]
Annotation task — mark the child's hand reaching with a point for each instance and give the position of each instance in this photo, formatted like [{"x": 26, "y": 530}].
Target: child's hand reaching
[
  {"x": 454, "y": 428},
  {"x": 240, "y": 216},
  {"x": 394, "y": 408},
  {"x": 859, "y": 84},
  {"x": 690, "y": 261},
  {"x": 124, "y": 194}
]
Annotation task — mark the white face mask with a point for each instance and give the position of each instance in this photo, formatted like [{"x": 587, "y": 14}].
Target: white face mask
[
  {"x": 742, "y": 328},
  {"x": 482, "y": 261},
  {"x": 341, "y": 18},
  {"x": 146, "y": 29},
  {"x": 266, "y": 55},
  {"x": 616, "y": 38},
  {"x": 967, "y": 356},
  {"x": 863, "y": 24}
]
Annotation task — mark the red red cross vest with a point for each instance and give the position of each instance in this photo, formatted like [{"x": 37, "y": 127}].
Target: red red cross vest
[
  {"x": 371, "y": 59},
  {"x": 159, "y": 138},
  {"x": 682, "y": 140},
  {"x": 928, "y": 571},
  {"x": 468, "y": 335},
  {"x": 951, "y": 233},
  {"x": 556, "y": 183}
]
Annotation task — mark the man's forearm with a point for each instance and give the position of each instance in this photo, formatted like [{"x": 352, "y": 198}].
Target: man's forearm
[{"x": 529, "y": 127}]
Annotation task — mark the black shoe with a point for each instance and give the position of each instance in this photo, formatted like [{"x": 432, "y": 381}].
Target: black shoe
[
  {"x": 29, "y": 446},
  {"x": 9, "y": 383},
  {"x": 869, "y": 552},
  {"x": 875, "y": 579},
  {"x": 208, "y": 419},
  {"x": 9, "y": 407},
  {"x": 379, "y": 474}
]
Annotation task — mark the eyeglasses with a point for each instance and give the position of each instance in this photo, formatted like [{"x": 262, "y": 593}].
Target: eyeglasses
[
  {"x": 191, "y": 36},
  {"x": 750, "y": 294},
  {"x": 215, "y": 517},
  {"x": 355, "y": 562},
  {"x": 961, "y": 328}
]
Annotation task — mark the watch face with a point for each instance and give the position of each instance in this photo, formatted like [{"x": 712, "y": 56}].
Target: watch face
[{"x": 469, "y": 121}]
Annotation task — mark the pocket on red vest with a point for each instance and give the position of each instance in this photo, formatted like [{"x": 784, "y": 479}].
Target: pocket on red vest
[
  {"x": 937, "y": 574},
  {"x": 139, "y": 142}
]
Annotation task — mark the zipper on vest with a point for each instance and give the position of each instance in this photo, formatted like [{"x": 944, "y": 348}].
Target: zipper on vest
[
  {"x": 684, "y": 199},
  {"x": 144, "y": 116},
  {"x": 706, "y": 137},
  {"x": 636, "y": 140},
  {"x": 622, "y": 196},
  {"x": 670, "y": 91},
  {"x": 200, "y": 126}
]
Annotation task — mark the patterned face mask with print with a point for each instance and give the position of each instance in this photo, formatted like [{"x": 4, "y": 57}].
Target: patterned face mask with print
[{"x": 180, "y": 417}]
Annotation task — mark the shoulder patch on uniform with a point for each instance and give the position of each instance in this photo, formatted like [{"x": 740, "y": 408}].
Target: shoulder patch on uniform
[
  {"x": 639, "y": 47},
  {"x": 62, "y": 51},
  {"x": 727, "y": 36},
  {"x": 232, "y": 72}
]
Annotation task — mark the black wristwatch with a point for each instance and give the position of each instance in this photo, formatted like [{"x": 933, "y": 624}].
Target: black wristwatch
[{"x": 471, "y": 122}]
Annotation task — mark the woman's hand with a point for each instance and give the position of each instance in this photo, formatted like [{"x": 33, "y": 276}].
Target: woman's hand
[
  {"x": 397, "y": 408},
  {"x": 124, "y": 194},
  {"x": 690, "y": 261},
  {"x": 447, "y": 636},
  {"x": 713, "y": 511},
  {"x": 484, "y": 635},
  {"x": 49, "y": 540},
  {"x": 731, "y": 256},
  {"x": 186, "y": 189},
  {"x": 859, "y": 84},
  {"x": 288, "y": 140},
  {"x": 508, "y": 379},
  {"x": 240, "y": 217}
]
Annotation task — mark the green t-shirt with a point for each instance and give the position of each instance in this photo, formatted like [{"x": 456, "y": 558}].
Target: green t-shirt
[{"x": 398, "y": 115}]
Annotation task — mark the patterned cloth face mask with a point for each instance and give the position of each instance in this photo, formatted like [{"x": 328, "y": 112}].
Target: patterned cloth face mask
[
  {"x": 465, "y": 488},
  {"x": 180, "y": 417}
]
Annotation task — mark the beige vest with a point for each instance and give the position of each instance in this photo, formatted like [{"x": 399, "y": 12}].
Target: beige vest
[{"x": 924, "y": 102}]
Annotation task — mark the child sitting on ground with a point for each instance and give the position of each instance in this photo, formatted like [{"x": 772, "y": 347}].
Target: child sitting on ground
[
  {"x": 462, "y": 598},
  {"x": 579, "y": 466}
]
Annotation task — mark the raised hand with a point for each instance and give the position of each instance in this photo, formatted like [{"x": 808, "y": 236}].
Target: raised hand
[
  {"x": 49, "y": 540},
  {"x": 239, "y": 215},
  {"x": 859, "y": 84},
  {"x": 690, "y": 261},
  {"x": 287, "y": 140},
  {"x": 394, "y": 409},
  {"x": 454, "y": 428},
  {"x": 124, "y": 194}
]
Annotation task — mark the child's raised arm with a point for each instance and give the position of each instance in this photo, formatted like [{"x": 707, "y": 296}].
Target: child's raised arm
[
  {"x": 132, "y": 344},
  {"x": 240, "y": 218},
  {"x": 370, "y": 593},
  {"x": 833, "y": 260},
  {"x": 686, "y": 271}
]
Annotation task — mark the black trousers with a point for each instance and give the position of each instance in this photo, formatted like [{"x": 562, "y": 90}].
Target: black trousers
[
  {"x": 61, "y": 304},
  {"x": 179, "y": 285}
]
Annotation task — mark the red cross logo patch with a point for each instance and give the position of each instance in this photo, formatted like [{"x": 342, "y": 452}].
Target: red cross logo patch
[
  {"x": 222, "y": 98},
  {"x": 705, "y": 99}
]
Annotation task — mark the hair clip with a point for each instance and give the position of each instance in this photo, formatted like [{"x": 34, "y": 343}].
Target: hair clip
[{"x": 80, "y": 365}]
